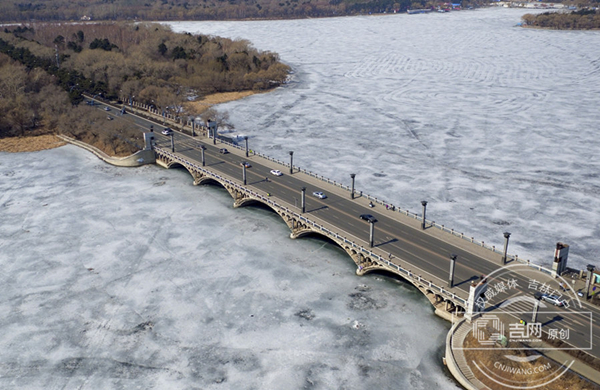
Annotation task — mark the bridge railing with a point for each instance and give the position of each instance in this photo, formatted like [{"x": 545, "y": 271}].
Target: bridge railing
[
  {"x": 388, "y": 205},
  {"x": 408, "y": 274},
  {"x": 392, "y": 207}
]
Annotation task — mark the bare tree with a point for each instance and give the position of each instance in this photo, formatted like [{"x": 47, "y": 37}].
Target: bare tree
[{"x": 220, "y": 117}]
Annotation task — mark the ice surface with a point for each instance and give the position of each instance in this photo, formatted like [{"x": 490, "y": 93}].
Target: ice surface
[
  {"x": 495, "y": 125},
  {"x": 134, "y": 278}
]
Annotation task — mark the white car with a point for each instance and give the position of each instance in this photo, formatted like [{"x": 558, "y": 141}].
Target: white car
[
  {"x": 319, "y": 195},
  {"x": 553, "y": 300},
  {"x": 276, "y": 172},
  {"x": 167, "y": 131}
]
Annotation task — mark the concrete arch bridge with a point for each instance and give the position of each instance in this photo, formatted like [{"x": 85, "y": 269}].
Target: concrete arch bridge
[{"x": 445, "y": 302}]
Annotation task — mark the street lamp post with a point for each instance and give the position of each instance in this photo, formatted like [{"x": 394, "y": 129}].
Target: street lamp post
[
  {"x": 246, "y": 139},
  {"x": 212, "y": 125},
  {"x": 371, "y": 232},
  {"x": 202, "y": 149},
  {"x": 352, "y": 175},
  {"x": 424, "y": 203},
  {"x": 588, "y": 282},
  {"x": 244, "y": 172},
  {"x": 303, "y": 200},
  {"x": 193, "y": 129},
  {"x": 536, "y": 307},
  {"x": 291, "y": 162},
  {"x": 506, "y": 237},
  {"x": 452, "y": 265}
]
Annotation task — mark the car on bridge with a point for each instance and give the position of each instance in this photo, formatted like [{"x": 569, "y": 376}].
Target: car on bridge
[
  {"x": 276, "y": 172},
  {"x": 553, "y": 299},
  {"x": 368, "y": 218},
  {"x": 246, "y": 164},
  {"x": 319, "y": 195},
  {"x": 223, "y": 151},
  {"x": 167, "y": 131},
  {"x": 110, "y": 118},
  {"x": 106, "y": 108}
]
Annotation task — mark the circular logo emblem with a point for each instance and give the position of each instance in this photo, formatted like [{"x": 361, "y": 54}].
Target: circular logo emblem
[{"x": 528, "y": 321}]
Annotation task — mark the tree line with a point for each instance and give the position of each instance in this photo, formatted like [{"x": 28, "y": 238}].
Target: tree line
[
  {"x": 61, "y": 10},
  {"x": 148, "y": 61},
  {"x": 584, "y": 19},
  {"x": 33, "y": 103},
  {"x": 45, "y": 68}
]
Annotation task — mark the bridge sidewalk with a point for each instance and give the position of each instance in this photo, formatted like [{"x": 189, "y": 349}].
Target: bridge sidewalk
[
  {"x": 407, "y": 220},
  {"x": 394, "y": 213}
]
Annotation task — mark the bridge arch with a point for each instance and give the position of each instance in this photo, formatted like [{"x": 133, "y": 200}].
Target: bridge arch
[
  {"x": 300, "y": 227},
  {"x": 205, "y": 180}
]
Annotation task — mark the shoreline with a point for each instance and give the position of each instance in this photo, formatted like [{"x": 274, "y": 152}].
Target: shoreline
[{"x": 40, "y": 141}]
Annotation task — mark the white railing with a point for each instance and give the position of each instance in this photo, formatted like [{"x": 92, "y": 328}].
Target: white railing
[
  {"x": 408, "y": 274},
  {"x": 388, "y": 205}
]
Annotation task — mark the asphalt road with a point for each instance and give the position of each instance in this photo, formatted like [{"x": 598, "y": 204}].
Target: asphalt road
[{"x": 407, "y": 245}]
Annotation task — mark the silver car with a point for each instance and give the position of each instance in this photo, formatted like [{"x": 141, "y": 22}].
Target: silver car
[
  {"x": 553, "y": 300},
  {"x": 319, "y": 195}
]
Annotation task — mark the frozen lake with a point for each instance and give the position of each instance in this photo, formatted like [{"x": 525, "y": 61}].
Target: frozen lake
[
  {"x": 495, "y": 125},
  {"x": 134, "y": 278}
]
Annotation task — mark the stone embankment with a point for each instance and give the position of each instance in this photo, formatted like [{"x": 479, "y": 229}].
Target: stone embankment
[{"x": 135, "y": 160}]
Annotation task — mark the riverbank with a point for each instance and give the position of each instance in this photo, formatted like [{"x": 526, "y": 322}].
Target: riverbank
[
  {"x": 32, "y": 143},
  {"x": 38, "y": 140}
]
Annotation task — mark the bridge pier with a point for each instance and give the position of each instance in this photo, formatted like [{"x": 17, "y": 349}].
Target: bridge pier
[
  {"x": 443, "y": 300},
  {"x": 197, "y": 178}
]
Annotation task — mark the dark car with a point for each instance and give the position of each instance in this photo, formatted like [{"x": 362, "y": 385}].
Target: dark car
[
  {"x": 245, "y": 164},
  {"x": 223, "y": 151},
  {"x": 368, "y": 218}
]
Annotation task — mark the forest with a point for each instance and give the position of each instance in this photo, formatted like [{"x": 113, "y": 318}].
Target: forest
[
  {"x": 148, "y": 10},
  {"x": 584, "y": 19},
  {"x": 45, "y": 68}
]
